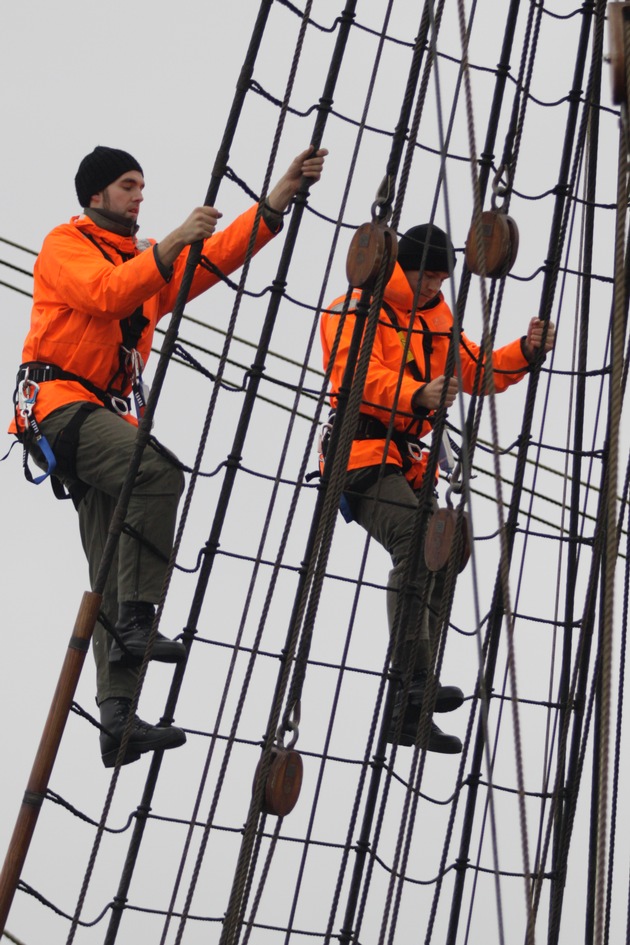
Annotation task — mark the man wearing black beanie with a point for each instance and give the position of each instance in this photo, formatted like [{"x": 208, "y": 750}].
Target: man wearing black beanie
[
  {"x": 98, "y": 295},
  {"x": 101, "y": 168},
  {"x": 406, "y": 383}
]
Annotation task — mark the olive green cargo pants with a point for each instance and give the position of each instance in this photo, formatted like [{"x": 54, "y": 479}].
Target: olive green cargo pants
[{"x": 106, "y": 443}]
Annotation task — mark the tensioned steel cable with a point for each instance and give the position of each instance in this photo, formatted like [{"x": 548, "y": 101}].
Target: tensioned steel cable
[
  {"x": 610, "y": 559},
  {"x": 618, "y": 742},
  {"x": 411, "y": 800},
  {"x": 359, "y": 859},
  {"x": 571, "y": 777},
  {"x": 334, "y": 509},
  {"x": 280, "y": 554},
  {"x": 489, "y": 385},
  {"x": 508, "y": 163},
  {"x": 417, "y": 538},
  {"x": 232, "y": 921},
  {"x": 592, "y": 99},
  {"x": 143, "y": 435},
  {"x": 314, "y": 543},
  {"x": 555, "y": 244},
  {"x": 246, "y": 411},
  {"x": 588, "y": 98}
]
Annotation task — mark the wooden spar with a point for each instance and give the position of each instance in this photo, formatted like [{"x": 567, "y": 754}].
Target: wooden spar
[{"x": 47, "y": 752}]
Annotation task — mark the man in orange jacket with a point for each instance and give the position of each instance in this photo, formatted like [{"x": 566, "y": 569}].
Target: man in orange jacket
[
  {"x": 383, "y": 491},
  {"x": 98, "y": 295}
]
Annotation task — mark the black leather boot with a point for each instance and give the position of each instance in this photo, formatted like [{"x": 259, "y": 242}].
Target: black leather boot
[
  {"x": 434, "y": 739},
  {"x": 447, "y": 698},
  {"x": 135, "y": 619},
  {"x": 143, "y": 737}
]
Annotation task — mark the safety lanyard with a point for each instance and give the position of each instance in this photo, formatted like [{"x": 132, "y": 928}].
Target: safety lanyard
[
  {"x": 446, "y": 459},
  {"x": 26, "y": 396}
]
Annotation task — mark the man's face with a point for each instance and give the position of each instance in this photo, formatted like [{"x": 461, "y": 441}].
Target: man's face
[
  {"x": 430, "y": 285},
  {"x": 123, "y": 196}
]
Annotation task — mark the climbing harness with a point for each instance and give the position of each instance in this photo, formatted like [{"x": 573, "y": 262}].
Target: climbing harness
[
  {"x": 33, "y": 373},
  {"x": 371, "y": 428}
]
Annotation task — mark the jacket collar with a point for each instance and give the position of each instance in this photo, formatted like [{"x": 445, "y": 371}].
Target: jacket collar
[
  {"x": 398, "y": 293},
  {"x": 112, "y": 222}
]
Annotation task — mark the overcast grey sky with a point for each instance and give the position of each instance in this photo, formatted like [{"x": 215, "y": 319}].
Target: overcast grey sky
[{"x": 158, "y": 79}]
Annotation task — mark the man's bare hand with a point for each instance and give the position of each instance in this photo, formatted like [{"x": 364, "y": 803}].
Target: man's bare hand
[
  {"x": 306, "y": 164},
  {"x": 534, "y": 337},
  {"x": 199, "y": 225},
  {"x": 430, "y": 396}
]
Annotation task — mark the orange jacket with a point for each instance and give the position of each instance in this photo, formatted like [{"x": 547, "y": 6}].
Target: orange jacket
[
  {"x": 80, "y": 298},
  {"x": 434, "y": 325}
]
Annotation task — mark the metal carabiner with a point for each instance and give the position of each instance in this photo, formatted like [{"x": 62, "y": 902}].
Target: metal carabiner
[
  {"x": 325, "y": 434},
  {"x": 26, "y": 401},
  {"x": 119, "y": 404},
  {"x": 134, "y": 364},
  {"x": 446, "y": 459},
  {"x": 414, "y": 450}
]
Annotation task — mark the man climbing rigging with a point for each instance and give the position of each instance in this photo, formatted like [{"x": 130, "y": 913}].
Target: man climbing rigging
[
  {"x": 98, "y": 295},
  {"x": 384, "y": 499}
]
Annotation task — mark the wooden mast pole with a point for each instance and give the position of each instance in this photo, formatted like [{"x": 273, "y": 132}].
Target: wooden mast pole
[{"x": 47, "y": 752}]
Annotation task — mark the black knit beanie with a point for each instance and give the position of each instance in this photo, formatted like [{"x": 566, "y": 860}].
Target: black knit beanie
[
  {"x": 100, "y": 169},
  {"x": 440, "y": 252}
]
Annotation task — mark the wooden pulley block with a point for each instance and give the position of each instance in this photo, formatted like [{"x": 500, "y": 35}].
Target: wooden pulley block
[
  {"x": 284, "y": 781},
  {"x": 618, "y": 20},
  {"x": 500, "y": 241},
  {"x": 371, "y": 244},
  {"x": 441, "y": 538}
]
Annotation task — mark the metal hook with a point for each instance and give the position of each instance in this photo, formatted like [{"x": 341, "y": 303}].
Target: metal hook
[
  {"x": 499, "y": 188},
  {"x": 289, "y": 725},
  {"x": 381, "y": 208}
]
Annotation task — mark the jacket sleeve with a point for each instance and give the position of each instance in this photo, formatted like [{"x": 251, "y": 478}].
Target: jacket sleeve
[
  {"x": 78, "y": 273},
  {"x": 509, "y": 363},
  {"x": 226, "y": 249},
  {"x": 382, "y": 381}
]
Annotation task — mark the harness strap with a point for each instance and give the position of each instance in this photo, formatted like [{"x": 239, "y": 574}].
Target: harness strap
[
  {"x": 65, "y": 449},
  {"x": 131, "y": 329},
  {"x": 427, "y": 345},
  {"x": 39, "y": 371},
  {"x": 370, "y": 428},
  {"x": 427, "y": 341}
]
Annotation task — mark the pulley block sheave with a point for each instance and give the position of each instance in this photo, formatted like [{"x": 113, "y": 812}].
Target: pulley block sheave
[
  {"x": 499, "y": 234},
  {"x": 618, "y": 27},
  {"x": 373, "y": 245},
  {"x": 441, "y": 539},
  {"x": 283, "y": 782}
]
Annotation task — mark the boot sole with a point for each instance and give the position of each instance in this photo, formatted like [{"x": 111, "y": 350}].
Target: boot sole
[
  {"x": 170, "y": 739},
  {"x": 449, "y": 704},
  {"x": 131, "y": 660},
  {"x": 451, "y": 747}
]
